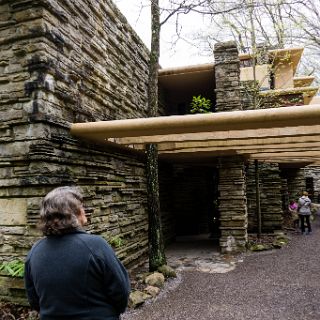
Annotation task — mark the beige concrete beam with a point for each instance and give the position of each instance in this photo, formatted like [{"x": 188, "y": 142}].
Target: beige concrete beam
[
  {"x": 288, "y": 161},
  {"x": 287, "y": 154},
  {"x": 212, "y": 122},
  {"x": 297, "y": 131},
  {"x": 211, "y": 156},
  {"x": 249, "y": 143},
  {"x": 295, "y": 152},
  {"x": 262, "y": 153},
  {"x": 249, "y": 148}
]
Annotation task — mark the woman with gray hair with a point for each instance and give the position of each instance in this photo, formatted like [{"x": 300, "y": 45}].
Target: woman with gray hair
[
  {"x": 70, "y": 274},
  {"x": 62, "y": 211}
]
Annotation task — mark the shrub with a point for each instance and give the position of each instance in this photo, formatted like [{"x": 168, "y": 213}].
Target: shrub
[
  {"x": 200, "y": 104},
  {"x": 13, "y": 268}
]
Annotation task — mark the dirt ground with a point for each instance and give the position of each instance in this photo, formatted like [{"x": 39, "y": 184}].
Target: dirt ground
[{"x": 10, "y": 311}]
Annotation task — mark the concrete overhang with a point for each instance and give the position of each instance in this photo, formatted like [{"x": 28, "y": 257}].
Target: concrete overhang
[
  {"x": 287, "y": 56},
  {"x": 192, "y": 80},
  {"x": 303, "y": 81},
  {"x": 284, "y": 135}
]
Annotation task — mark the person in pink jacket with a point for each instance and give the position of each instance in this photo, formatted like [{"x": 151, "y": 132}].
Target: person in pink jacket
[{"x": 293, "y": 210}]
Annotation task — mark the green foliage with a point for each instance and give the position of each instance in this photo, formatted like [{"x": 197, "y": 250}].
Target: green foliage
[
  {"x": 116, "y": 242},
  {"x": 13, "y": 268},
  {"x": 200, "y": 105}
]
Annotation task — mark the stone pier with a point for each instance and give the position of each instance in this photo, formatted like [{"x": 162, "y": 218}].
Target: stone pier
[
  {"x": 227, "y": 73},
  {"x": 232, "y": 193},
  {"x": 232, "y": 205}
]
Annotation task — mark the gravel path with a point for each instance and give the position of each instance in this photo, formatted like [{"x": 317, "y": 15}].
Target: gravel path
[{"x": 272, "y": 285}]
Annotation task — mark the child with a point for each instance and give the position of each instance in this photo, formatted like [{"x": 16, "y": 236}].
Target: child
[{"x": 293, "y": 209}]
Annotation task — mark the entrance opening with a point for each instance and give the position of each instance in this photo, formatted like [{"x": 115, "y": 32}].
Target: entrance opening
[{"x": 194, "y": 209}]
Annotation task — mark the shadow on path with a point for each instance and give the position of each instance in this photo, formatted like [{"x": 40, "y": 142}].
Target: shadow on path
[{"x": 199, "y": 253}]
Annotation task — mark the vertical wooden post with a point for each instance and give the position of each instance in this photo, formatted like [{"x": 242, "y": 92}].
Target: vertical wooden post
[{"x": 258, "y": 208}]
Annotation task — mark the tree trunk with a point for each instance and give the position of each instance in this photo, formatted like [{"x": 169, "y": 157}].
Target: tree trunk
[{"x": 156, "y": 246}]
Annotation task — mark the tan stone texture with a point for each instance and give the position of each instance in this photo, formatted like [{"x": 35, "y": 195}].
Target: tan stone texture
[{"x": 13, "y": 211}]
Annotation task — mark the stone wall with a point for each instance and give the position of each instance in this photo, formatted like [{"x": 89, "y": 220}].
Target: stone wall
[
  {"x": 296, "y": 182},
  {"x": 227, "y": 75},
  {"x": 65, "y": 61},
  {"x": 251, "y": 197},
  {"x": 88, "y": 60},
  {"x": 314, "y": 172},
  {"x": 285, "y": 100},
  {"x": 270, "y": 100},
  {"x": 232, "y": 205},
  {"x": 168, "y": 218},
  {"x": 270, "y": 196}
]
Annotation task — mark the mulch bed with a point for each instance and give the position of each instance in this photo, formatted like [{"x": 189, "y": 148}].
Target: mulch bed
[
  {"x": 263, "y": 239},
  {"x": 10, "y": 311}
]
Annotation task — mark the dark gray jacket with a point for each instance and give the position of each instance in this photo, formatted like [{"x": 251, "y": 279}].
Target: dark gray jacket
[{"x": 76, "y": 276}]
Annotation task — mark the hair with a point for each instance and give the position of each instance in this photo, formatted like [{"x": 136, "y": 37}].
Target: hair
[
  {"x": 305, "y": 193},
  {"x": 59, "y": 211}
]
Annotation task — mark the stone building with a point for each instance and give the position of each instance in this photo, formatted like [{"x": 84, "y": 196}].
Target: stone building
[
  {"x": 63, "y": 62},
  {"x": 74, "y": 62}
]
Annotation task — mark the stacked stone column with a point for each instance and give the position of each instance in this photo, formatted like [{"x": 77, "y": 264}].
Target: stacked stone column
[
  {"x": 232, "y": 195},
  {"x": 270, "y": 197},
  {"x": 227, "y": 73},
  {"x": 232, "y": 205}
]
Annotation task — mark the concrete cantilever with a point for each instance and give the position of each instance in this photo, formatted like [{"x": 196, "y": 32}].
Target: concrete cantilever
[{"x": 222, "y": 121}]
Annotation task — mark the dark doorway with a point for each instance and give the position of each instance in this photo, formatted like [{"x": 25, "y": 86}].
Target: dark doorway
[{"x": 195, "y": 201}]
